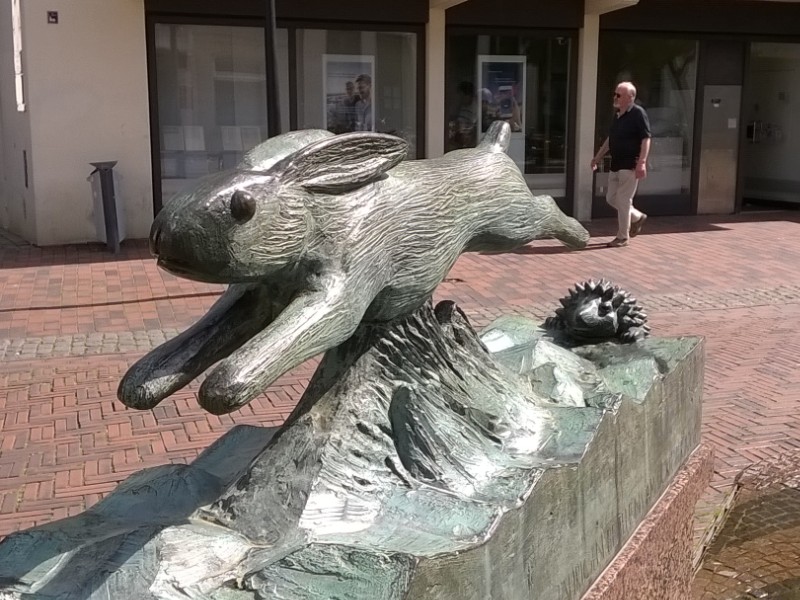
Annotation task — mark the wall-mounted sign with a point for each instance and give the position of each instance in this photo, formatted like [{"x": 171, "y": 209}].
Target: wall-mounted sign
[{"x": 52, "y": 17}]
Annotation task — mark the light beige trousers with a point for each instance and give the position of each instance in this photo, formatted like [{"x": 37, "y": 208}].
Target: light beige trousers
[{"x": 622, "y": 186}]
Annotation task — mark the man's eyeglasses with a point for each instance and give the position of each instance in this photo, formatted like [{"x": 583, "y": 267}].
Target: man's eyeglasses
[{"x": 616, "y": 95}]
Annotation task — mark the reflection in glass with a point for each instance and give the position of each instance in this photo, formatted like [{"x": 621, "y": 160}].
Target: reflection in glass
[
  {"x": 212, "y": 105},
  {"x": 523, "y": 80},
  {"x": 664, "y": 72},
  {"x": 349, "y": 80},
  {"x": 358, "y": 81}
]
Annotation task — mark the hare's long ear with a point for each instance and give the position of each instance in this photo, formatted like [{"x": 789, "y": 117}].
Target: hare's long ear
[
  {"x": 267, "y": 154},
  {"x": 343, "y": 162},
  {"x": 497, "y": 138}
]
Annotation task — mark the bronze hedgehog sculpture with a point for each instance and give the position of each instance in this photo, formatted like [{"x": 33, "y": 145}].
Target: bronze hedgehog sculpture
[{"x": 599, "y": 312}]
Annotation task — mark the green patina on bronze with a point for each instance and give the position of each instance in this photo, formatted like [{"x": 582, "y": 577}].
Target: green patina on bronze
[{"x": 424, "y": 461}]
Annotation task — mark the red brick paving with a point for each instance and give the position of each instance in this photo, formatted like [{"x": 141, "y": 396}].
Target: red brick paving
[
  {"x": 65, "y": 440},
  {"x": 74, "y": 289}
]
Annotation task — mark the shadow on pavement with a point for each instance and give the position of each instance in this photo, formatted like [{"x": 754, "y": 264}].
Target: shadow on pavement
[
  {"x": 592, "y": 245},
  {"x": 25, "y": 256}
]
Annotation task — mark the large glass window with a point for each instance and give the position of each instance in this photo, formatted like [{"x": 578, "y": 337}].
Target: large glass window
[
  {"x": 664, "y": 72},
  {"x": 212, "y": 104},
  {"x": 358, "y": 81},
  {"x": 769, "y": 160},
  {"x": 523, "y": 80}
]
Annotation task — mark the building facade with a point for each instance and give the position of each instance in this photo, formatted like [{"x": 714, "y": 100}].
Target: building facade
[{"x": 176, "y": 89}]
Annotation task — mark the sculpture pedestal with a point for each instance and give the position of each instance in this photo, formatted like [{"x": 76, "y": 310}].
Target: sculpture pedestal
[
  {"x": 577, "y": 518},
  {"x": 424, "y": 462},
  {"x": 657, "y": 560}
]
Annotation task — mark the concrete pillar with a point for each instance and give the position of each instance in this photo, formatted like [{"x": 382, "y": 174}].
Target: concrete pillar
[
  {"x": 434, "y": 82},
  {"x": 588, "y": 46},
  {"x": 435, "y": 39}
]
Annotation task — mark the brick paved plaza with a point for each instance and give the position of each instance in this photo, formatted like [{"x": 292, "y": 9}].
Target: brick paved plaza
[{"x": 72, "y": 319}]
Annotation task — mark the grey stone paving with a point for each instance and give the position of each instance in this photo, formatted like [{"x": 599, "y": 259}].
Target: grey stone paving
[
  {"x": 64, "y": 346},
  {"x": 142, "y": 341}
]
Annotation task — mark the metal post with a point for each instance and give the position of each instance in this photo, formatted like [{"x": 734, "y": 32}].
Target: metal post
[
  {"x": 106, "y": 173},
  {"x": 273, "y": 108}
]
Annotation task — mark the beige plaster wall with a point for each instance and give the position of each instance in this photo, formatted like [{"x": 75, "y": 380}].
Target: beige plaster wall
[{"x": 88, "y": 102}]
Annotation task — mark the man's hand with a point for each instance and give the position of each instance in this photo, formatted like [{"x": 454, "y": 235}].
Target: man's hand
[
  {"x": 594, "y": 164},
  {"x": 641, "y": 170}
]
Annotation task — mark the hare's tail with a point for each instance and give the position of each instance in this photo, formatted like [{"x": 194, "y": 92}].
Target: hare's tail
[{"x": 497, "y": 138}]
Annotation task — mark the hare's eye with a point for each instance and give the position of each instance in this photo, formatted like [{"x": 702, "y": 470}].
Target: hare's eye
[{"x": 243, "y": 206}]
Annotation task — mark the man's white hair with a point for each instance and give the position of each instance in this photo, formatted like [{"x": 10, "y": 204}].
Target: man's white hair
[{"x": 628, "y": 86}]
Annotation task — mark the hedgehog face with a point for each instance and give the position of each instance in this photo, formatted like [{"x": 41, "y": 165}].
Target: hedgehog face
[
  {"x": 596, "y": 312},
  {"x": 593, "y": 318}
]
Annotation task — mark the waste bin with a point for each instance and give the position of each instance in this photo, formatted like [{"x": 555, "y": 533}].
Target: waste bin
[{"x": 109, "y": 219}]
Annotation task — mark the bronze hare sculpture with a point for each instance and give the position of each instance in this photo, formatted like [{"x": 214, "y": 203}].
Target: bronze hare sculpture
[{"x": 316, "y": 233}]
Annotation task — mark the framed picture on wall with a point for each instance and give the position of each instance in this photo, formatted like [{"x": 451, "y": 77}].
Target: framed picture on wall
[
  {"x": 501, "y": 80},
  {"x": 348, "y": 89}
]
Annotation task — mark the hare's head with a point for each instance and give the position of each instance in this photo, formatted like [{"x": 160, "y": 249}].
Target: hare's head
[{"x": 244, "y": 224}]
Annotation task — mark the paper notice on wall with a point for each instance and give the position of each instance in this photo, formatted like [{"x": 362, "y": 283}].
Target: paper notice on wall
[
  {"x": 231, "y": 139},
  {"x": 194, "y": 138},
  {"x": 172, "y": 138},
  {"x": 251, "y": 137}
]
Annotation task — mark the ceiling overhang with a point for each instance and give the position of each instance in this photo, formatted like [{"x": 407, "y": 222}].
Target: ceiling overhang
[
  {"x": 444, "y": 4},
  {"x": 599, "y": 7}
]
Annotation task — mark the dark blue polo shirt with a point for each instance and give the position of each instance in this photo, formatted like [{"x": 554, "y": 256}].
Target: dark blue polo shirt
[{"x": 626, "y": 135}]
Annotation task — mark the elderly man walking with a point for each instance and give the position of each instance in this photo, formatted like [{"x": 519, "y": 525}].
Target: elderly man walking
[{"x": 629, "y": 143}]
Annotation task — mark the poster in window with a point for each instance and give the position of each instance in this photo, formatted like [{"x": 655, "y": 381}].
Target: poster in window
[
  {"x": 502, "y": 96},
  {"x": 348, "y": 88},
  {"x": 502, "y": 91}
]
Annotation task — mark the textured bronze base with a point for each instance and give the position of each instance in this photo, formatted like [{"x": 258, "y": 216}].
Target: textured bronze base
[{"x": 656, "y": 563}]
